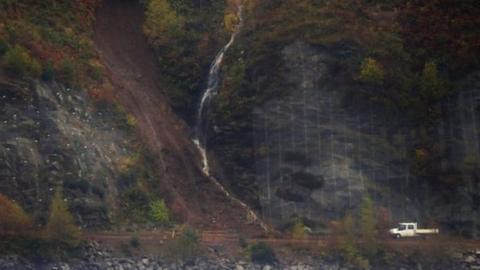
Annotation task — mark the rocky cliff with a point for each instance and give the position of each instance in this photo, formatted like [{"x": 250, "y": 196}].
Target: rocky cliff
[
  {"x": 111, "y": 140},
  {"x": 324, "y": 103},
  {"x": 54, "y": 137},
  {"x": 321, "y": 150},
  {"x": 322, "y": 143}
]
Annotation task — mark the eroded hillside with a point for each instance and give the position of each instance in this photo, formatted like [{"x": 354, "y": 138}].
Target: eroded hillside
[
  {"x": 101, "y": 128},
  {"x": 136, "y": 76}
]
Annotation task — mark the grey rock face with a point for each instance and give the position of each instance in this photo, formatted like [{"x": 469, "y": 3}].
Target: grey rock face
[
  {"x": 52, "y": 136},
  {"x": 320, "y": 148},
  {"x": 319, "y": 156}
]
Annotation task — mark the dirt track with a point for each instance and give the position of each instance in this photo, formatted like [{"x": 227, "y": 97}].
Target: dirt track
[
  {"x": 229, "y": 241},
  {"x": 134, "y": 73}
]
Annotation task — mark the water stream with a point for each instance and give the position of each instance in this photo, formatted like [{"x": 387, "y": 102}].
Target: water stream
[{"x": 201, "y": 124}]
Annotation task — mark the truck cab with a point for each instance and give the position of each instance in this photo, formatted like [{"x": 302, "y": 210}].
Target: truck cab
[{"x": 405, "y": 229}]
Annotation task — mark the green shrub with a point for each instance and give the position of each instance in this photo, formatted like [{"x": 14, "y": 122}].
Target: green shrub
[
  {"x": 128, "y": 179},
  {"x": 432, "y": 87},
  {"x": 162, "y": 24},
  {"x": 298, "y": 230},
  {"x": 368, "y": 227},
  {"x": 135, "y": 205},
  {"x": 19, "y": 63},
  {"x": 67, "y": 71},
  {"x": 371, "y": 71},
  {"x": 230, "y": 21},
  {"x": 95, "y": 71},
  {"x": 347, "y": 245},
  {"x": 261, "y": 253},
  {"x": 159, "y": 212},
  {"x": 242, "y": 241},
  {"x": 3, "y": 46},
  {"x": 29, "y": 246},
  {"x": 48, "y": 71},
  {"x": 61, "y": 228},
  {"x": 137, "y": 197},
  {"x": 6, "y": 3},
  {"x": 135, "y": 241},
  {"x": 125, "y": 249},
  {"x": 185, "y": 247}
]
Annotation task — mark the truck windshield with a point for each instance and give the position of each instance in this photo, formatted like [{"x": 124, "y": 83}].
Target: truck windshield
[{"x": 401, "y": 227}]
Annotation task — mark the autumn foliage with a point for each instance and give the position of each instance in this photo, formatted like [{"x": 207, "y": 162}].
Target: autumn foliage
[
  {"x": 13, "y": 220},
  {"x": 18, "y": 235},
  {"x": 371, "y": 71},
  {"x": 61, "y": 228},
  {"x": 51, "y": 33},
  {"x": 444, "y": 29}
]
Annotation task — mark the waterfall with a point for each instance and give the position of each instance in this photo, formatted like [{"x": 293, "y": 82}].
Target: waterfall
[
  {"x": 292, "y": 125},
  {"x": 406, "y": 180},
  {"x": 332, "y": 152},
  {"x": 373, "y": 153},
  {"x": 200, "y": 137},
  {"x": 279, "y": 142},
  {"x": 475, "y": 153},
  {"x": 304, "y": 92},
  {"x": 359, "y": 151},
  {"x": 347, "y": 160},
  {"x": 269, "y": 194},
  {"x": 474, "y": 125}
]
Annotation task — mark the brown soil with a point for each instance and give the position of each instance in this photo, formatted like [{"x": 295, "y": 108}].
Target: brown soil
[
  {"x": 134, "y": 73},
  {"x": 154, "y": 243}
]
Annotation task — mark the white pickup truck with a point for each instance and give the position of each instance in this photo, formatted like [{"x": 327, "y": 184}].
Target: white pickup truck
[{"x": 410, "y": 229}]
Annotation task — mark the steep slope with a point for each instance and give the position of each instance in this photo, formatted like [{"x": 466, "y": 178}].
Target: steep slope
[
  {"x": 135, "y": 75},
  {"x": 325, "y": 102},
  {"x": 51, "y": 137},
  {"x": 59, "y": 127}
]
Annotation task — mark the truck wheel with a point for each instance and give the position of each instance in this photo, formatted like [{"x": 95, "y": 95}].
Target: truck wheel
[{"x": 397, "y": 236}]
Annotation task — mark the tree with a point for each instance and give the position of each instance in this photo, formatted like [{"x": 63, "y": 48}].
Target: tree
[
  {"x": 8, "y": 4},
  {"x": 18, "y": 62},
  {"x": 298, "y": 230},
  {"x": 13, "y": 220},
  {"x": 261, "y": 253},
  {"x": 347, "y": 238},
  {"x": 61, "y": 228},
  {"x": 446, "y": 30},
  {"x": 431, "y": 86},
  {"x": 368, "y": 226},
  {"x": 159, "y": 212},
  {"x": 162, "y": 24},
  {"x": 67, "y": 71},
  {"x": 186, "y": 246},
  {"x": 230, "y": 21},
  {"x": 371, "y": 71},
  {"x": 347, "y": 244}
]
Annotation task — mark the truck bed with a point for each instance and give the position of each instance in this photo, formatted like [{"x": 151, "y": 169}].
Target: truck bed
[{"x": 427, "y": 231}]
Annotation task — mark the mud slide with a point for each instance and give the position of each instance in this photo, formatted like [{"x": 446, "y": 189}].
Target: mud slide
[{"x": 134, "y": 73}]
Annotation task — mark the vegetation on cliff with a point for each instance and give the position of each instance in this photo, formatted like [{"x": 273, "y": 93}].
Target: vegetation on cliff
[
  {"x": 18, "y": 235},
  {"x": 391, "y": 51},
  {"x": 49, "y": 44},
  {"x": 390, "y": 57},
  {"x": 185, "y": 35},
  {"x": 49, "y": 40},
  {"x": 14, "y": 220},
  {"x": 61, "y": 228}
]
